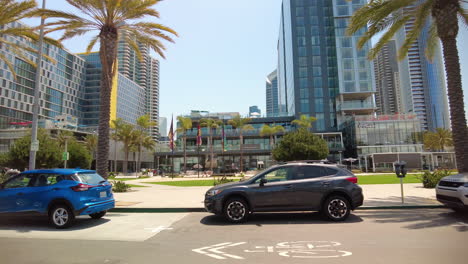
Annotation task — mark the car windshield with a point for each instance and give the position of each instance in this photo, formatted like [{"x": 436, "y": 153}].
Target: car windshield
[{"x": 90, "y": 178}]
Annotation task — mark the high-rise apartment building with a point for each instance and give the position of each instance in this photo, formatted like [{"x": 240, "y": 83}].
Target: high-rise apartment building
[
  {"x": 321, "y": 72},
  {"x": 254, "y": 111},
  {"x": 145, "y": 72},
  {"x": 422, "y": 81},
  {"x": 387, "y": 80},
  {"x": 162, "y": 126},
  {"x": 61, "y": 84},
  {"x": 272, "y": 103},
  {"x": 71, "y": 86}
]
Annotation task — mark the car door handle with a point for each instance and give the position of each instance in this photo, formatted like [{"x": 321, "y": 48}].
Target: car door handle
[
  {"x": 55, "y": 189},
  {"x": 20, "y": 193},
  {"x": 288, "y": 186},
  {"x": 325, "y": 184}
]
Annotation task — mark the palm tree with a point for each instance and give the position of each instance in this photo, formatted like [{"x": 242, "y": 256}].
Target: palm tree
[
  {"x": 12, "y": 11},
  {"x": 185, "y": 123},
  {"x": 145, "y": 123},
  {"x": 390, "y": 15},
  {"x": 241, "y": 124},
  {"x": 211, "y": 124},
  {"x": 125, "y": 133},
  {"x": 271, "y": 131},
  {"x": 148, "y": 143},
  {"x": 91, "y": 144},
  {"x": 438, "y": 140},
  {"x": 113, "y": 20},
  {"x": 305, "y": 121}
]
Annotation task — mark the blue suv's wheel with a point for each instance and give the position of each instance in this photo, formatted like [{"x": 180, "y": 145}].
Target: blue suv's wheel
[{"x": 61, "y": 216}]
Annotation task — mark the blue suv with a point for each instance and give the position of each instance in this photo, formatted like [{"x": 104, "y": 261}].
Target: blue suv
[{"x": 61, "y": 194}]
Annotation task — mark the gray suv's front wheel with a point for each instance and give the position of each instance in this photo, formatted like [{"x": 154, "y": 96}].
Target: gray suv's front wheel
[{"x": 236, "y": 210}]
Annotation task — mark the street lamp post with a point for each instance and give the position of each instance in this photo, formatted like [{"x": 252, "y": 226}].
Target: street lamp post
[{"x": 37, "y": 91}]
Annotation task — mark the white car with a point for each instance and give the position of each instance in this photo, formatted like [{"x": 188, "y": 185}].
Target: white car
[{"x": 452, "y": 191}]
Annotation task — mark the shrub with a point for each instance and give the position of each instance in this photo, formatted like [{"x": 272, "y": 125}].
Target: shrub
[
  {"x": 223, "y": 180},
  {"x": 301, "y": 145},
  {"x": 3, "y": 177},
  {"x": 120, "y": 186},
  {"x": 430, "y": 180},
  {"x": 356, "y": 171}
]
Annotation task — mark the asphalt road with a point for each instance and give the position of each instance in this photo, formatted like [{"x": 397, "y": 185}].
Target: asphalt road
[{"x": 380, "y": 236}]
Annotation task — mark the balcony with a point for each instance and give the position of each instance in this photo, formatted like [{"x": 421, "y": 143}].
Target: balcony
[{"x": 357, "y": 107}]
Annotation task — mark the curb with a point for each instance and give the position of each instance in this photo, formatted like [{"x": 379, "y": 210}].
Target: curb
[{"x": 202, "y": 210}]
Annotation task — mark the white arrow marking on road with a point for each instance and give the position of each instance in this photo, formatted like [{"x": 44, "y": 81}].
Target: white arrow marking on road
[
  {"x": 158, "y": 229},
  {"x": 216, "y": 249}
]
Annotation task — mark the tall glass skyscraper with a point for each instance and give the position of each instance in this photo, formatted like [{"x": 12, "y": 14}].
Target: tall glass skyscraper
[
  {"x": 423, "y": 82},
  {"x": 321, "y": 72},
  {"x": 272, "y": 107}
]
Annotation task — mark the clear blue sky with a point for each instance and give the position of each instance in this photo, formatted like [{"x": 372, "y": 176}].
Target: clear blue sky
[{"x": 224, "y": 52}]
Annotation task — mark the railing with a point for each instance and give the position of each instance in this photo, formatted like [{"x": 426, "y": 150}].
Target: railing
[{"x": 356, "y": 105}]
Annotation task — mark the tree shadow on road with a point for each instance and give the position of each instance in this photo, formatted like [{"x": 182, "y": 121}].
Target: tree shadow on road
[
  {"x": 25, "y": 224},
  {"x": 418, "y": 218},
  {"x": 260, "y": 219}
]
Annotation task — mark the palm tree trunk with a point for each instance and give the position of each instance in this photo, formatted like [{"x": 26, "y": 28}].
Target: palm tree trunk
[
  {"x": 185, "y": 152},
  {"x": 211, "y": 150},
  {"x": 455, "y": 94},
  {"x": 241, "y": 151},
  {"x": 125, "y": 165},
  {"x": 115, "y": 156},
  {"x": 108, "y": 55},
  {"x": 139, "y": 159}
]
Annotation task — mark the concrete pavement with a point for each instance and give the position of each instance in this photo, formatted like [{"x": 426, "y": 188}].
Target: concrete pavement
[{"x": 163, "y": 196}]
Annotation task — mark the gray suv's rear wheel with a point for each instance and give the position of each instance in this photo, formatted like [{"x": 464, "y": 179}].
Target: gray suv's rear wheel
[
  {"x": 336, "y": 208},
  {"x": 236, "y": 210}
]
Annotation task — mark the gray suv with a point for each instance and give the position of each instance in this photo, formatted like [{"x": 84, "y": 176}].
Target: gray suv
[{"x": 294, "y": 186}]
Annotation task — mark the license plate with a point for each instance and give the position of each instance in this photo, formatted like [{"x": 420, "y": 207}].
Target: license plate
[{"x": 103, "y": 194}]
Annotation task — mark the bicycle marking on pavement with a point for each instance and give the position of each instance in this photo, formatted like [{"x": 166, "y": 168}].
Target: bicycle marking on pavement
[{"x": 296, "y": 249}]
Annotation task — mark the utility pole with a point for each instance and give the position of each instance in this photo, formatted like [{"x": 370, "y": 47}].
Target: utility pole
[{"x": 37, "y": 92}]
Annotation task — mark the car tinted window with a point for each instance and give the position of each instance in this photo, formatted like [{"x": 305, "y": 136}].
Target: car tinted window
[
  {"x": 309, "y": 172},
  {"x": 279, "y": 174},
  {"x": 46, "y": 179},
  {"x": 329, "y": 171},
  {"x": 19, "y": 181},
  {"x": 90, "y": 178}
]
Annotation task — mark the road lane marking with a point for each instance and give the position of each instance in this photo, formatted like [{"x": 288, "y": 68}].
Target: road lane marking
[{"x": 158, "y": 229}]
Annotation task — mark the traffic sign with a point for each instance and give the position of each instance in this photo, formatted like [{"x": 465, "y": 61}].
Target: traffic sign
[
  {"x": 65, "y": 156},
  {"x": 35, "y": 145}
]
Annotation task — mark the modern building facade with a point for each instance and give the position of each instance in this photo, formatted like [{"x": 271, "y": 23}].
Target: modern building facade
[
  {"x": 145, "y": 72},
  {"x": 321, "y": 72},
  {"x": 256, "y": 148},
  {"x": 162, "y": 126},
  {"x": 387, "y": 80},
  {"x": 61, "y": 84},
  {"x": 254, "y": 111},
  {"x": 127, "y": 101},
  {"x": 272, "y": 95},
  {"x": 422, "y": 82}
]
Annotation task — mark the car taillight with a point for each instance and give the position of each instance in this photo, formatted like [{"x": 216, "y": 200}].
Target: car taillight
[
  {"x": 81, "y": 187},
  {"x": 352, "y": 179}
]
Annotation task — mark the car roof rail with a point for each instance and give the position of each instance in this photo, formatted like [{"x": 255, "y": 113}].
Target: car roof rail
[{"x": 306, "y": 161}]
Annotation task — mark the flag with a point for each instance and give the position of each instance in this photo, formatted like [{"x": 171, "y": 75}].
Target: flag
[
  {"x": 199, "y": 139},
  {"x": 223, "y": 139},
  {"x": 171, "y": 134}
]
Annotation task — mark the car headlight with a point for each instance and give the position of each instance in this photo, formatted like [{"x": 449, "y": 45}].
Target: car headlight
[{"x": 213, "y": 192}]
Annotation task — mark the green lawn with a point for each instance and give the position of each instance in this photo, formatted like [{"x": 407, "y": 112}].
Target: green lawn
[
  {"x": 137, "y": 186},
  {"x": 368, "y": 179},
  {"x": 387, "y": 179},
  {"x": 186, "y": 183}
]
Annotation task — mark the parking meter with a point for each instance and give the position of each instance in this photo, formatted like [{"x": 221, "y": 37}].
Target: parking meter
[{"x": 400, "y": 169}]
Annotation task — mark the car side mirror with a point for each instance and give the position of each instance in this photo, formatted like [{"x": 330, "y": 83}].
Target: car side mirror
[{"x": 263, "y": 181}]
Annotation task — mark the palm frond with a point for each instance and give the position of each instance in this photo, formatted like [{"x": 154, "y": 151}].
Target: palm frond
[
  {"x": 422, "y": 13},
  {"x": 8, "y": 64},
  {"x": 432, "y": 42},
  {"x": 91, "y": 44},
  {"x": 387, "y": 37}
]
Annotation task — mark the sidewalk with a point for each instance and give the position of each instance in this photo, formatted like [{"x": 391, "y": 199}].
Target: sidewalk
[{"x": 162, "y": 196}]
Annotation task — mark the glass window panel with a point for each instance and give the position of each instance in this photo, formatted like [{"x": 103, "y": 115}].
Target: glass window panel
[
  {"x": 317, "y": 82},
  {"x": 317, "y": 71},
  {"x": 315, "y": 50},
  {"x": 316, "y": 60}
]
